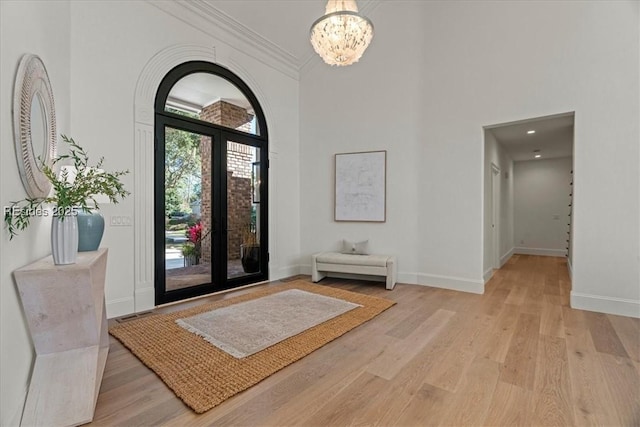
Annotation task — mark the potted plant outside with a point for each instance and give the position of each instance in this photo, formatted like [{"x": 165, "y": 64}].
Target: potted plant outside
[
  {"x": 68, "y": 197},
  {"x": 192, "y": 249},
  {"x": 191, "y": 254},
  {"x": 250, "y": 249}
]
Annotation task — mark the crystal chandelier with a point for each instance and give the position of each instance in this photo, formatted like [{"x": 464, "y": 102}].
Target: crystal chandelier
[{"x": 342, "y": 35}]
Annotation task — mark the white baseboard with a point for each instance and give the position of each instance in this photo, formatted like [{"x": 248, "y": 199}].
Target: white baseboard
[
  {"x": 601, "y": 304},
  {"x": 305, "y": 269},
  {"x": 145, "y": 299},
  {"x": 120, "y": 307},
  {"x": 410, "y": 278},
  {"x": 570, "y": 268},
  {"x": 453, "y": 283},
  {"x": 284, "y": 272},
  {"x": 540, "y": 251},
  {"x": 487, "y": 275},
  {"x": 504, "y": 258}
]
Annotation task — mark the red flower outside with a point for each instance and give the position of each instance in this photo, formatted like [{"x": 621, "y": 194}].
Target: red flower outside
[{"x": 194, "y": 234}]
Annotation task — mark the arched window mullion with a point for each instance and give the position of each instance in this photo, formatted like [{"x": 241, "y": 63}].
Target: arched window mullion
[
  {"x": 195, "y": 67},
  {"x": 212, "y": 126}
]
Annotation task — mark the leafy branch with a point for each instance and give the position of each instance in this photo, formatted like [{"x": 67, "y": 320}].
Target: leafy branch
[{"x": 68, "y": 195}]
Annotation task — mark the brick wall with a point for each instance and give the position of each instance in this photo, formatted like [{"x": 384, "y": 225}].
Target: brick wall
[
  {"x": 239, "y": 163},
  {"x": 205, "y": 204},
  {"x": 239, "y": 159},
  {"x": 239, "y": 211},
  {"x": 225, "y": 114}
]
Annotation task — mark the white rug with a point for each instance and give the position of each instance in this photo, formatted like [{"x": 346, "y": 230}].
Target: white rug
[{"x": 246, "y": 328}]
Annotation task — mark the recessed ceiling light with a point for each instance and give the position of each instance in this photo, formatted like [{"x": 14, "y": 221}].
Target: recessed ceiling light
[
  {"x": 537, "y": 156},
  {"x": 531, "y": 131}
]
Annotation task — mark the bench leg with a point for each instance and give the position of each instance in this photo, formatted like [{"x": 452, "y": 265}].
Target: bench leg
[
  {"x": 392, "y": 273},
  {"x": 316, "y": 276},
  {"x": 390, "y": 283}
]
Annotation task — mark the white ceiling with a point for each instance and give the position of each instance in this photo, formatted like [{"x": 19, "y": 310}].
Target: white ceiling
[
  {"x": 201, "y": 89},
  {"x": 553, "y": 137}
]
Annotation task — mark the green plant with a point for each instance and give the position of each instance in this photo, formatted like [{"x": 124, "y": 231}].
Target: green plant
[
  {"x": 68, "y": 195},
  {"x": 176, "y": 227},
  {"x": 190, "y": 249}
]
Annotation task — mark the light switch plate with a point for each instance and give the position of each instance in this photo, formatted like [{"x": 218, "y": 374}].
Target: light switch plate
[{"x": 121, "y": 221}]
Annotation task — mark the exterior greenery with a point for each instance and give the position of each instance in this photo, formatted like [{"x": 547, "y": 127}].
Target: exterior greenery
[{"x": 182, "y": 170}]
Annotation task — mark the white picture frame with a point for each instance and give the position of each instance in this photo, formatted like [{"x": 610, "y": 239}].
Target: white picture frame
[{"x": 361, "y": 186}]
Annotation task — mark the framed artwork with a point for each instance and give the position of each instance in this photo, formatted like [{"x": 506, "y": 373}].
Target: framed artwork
[
  {"x": 255, "y": 182},
  {"x": 361, "y": 186}
]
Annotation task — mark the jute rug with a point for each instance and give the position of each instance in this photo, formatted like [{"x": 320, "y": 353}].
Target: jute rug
[{"x": 204, "y": 376}]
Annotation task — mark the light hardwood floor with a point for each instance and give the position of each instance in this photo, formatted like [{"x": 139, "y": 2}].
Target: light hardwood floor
[{"x": 517, "y": 355}]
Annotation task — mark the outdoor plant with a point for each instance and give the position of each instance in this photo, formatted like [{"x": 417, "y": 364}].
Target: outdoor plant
[
  {"x": 250, "y": 248},
  {"x": 249, "y": 235},
  {"x": 190, "y": 250},
  {"x": 68, "y": 195},
  {"x": 193, "y": 247}
]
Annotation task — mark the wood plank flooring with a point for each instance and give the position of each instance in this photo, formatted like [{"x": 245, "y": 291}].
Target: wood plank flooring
[{"x": 517, "y": 355}]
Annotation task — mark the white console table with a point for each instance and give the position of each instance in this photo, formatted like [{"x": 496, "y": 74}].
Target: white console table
[{"x": 64, "y": 306}]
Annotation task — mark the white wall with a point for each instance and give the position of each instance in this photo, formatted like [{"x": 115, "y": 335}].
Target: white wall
[
  {"x": 95, "y": 52},
  {"x": 369, "y": 106},
  {"x": 541, "y": 210},
  {"x": 487, "y": 65},
  {"x": 566, "y": 56},
  {"x": 468, "y": 65},
  {"x": 40, "y": 28},
  {"x": 111, "y": 44},
  {"x": 495, "y": 154}
]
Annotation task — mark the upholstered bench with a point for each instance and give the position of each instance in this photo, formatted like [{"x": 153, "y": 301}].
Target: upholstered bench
[{"x": 373, "y": 265}]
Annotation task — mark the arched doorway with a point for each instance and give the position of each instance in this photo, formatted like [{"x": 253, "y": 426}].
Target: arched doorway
[{"x": 210, "y": 183}]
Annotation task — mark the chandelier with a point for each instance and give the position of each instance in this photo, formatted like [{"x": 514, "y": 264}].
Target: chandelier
[{"x": 342, "y": 35}]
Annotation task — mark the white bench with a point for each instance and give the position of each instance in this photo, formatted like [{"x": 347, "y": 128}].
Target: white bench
[{"x": 373, "y": 265}]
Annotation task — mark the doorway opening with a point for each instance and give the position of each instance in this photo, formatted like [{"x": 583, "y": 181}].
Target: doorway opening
[
  {"x": 211, "y": 183},
  {"x": 528, "y": 189}
]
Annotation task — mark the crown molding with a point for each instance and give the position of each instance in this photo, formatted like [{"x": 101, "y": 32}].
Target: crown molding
[{"x": 206, "y": 18}]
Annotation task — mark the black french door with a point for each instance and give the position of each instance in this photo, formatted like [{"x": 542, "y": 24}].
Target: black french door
[
  {"x": 211, "y": 227},
  {"x": 210, "y": 184}
]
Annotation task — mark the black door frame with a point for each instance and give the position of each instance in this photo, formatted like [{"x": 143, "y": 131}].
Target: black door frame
[{"x": 219, "y": 137}]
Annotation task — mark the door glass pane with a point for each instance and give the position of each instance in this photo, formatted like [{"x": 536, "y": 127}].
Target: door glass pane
[
  {"x": 213, "y": 99},
  {"x": 243, "y": 213},
  {"x": 187, "y": 209}
]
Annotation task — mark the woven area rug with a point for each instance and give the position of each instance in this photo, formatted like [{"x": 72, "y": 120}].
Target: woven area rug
[
  {"x": 248, "y": 327},
  {"x": 204, "y": 376}
]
